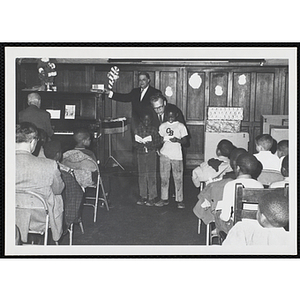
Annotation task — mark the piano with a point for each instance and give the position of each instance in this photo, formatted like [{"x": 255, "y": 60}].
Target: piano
[{"x": 71, "y": 110}]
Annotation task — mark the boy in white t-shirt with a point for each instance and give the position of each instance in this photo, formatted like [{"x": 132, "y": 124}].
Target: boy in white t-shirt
[
  {"x": 269, "y": 160},
  {"x": 174, "y": 135}
]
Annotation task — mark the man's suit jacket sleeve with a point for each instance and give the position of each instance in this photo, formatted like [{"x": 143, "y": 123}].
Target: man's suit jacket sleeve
[
  {"x": 124, "y": 97},
  {"x": 58, "y": 184},
  {"x": 49, "y": 129}
]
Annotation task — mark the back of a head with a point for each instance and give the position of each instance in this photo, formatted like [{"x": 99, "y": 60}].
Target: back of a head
[
  {"x": 275, "y": 207},
  {"x": 265, "y": 141},
  {"x": 235, "y": 153},
  {"x": 81, "y": 134},
  {"x": 285, "y": 166},
  {"x": 283, "y": 146},
  {"x": 248, "y": 164},
  {"x": 225, "y": 147},
  {"x": 34, "y": 99},
  {"x": 26, "y": 132},
  {"x": 51, "y": 149}
]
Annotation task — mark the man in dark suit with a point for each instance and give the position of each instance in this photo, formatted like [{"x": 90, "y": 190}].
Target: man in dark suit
[
  {"x": 34, "y": 114},
  {"x": 139, "y": 97}
]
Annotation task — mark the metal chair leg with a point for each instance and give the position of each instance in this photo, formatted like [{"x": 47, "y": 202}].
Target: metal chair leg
[
  {"x": 208, "y": 234},
  {"x": 199, "y": 226},
  {"x": 81, "y": 227}
]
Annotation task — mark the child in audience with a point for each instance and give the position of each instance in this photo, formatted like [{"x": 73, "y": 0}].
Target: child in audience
[
  {"x": 72, "y": 194},
  {"x": 213, "y": 192},
  {"x": 147, "y": 141},
  {"x": 174, "y": 135},
  {"x": 81, "y": 159},
  {"x": 82, "y": 138},
  {"x": 282, "y": 149},
  {"x": 269, "y": 160},
  {"x": 246, "y": 167},
  {"x": 214, "y": 168},
  {"x": 268, "y": 230},
  {"x": 284, "y": 172}
]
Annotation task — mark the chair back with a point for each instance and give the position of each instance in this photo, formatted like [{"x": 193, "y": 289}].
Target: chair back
[
  {"x": 32, "y": 214},
  {"x": 247, "y": 199}
]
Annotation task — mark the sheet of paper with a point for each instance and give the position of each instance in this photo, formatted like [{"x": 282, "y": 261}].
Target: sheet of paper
[{"x": 55, "y": 113}]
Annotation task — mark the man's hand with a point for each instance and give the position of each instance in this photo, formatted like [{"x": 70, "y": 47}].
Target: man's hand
[
  {"x": 106, "y": 91},
  {"x": 175, "y": 140}
]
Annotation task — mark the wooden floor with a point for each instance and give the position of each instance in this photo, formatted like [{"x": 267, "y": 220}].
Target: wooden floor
[{"x": 127, "y": 223}]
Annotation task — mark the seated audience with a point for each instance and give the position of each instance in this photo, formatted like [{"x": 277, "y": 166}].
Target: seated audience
[
  {"x": 269, "y": 160},
  {"x": 72, "y": 193},
  {"x": 213, "y": 192},
  {"x": 39, "y": 175},
  {"x": 268, "y": 229},
  {"x": 246, "y": 167},
  {"x": 214, "y": 169},
  {"x": 282, "y": 149},
  {"x": 285, "y": 174}
]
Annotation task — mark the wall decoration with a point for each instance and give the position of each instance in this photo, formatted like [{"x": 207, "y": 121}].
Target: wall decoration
[
  {"x": 242, "y": 79},
  {"x": 70, "y": 111},
  {"x": 112, "y": 75},
  {"x": 218, "y": 90},
  {"x": 169, "y": 91},
  {"x": 47, "y": 72},
  {"x": 195, "y": 81}
]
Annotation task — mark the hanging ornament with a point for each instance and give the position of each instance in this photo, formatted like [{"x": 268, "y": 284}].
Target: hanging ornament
[
  {"x": 195, "y": 81},
  {"x": 218, "y": 90},
  {"x": 112, "y": 75}
]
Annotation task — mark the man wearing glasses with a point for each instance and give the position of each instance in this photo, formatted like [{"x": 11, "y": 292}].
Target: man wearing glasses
[{"x": 159, "y": 104}]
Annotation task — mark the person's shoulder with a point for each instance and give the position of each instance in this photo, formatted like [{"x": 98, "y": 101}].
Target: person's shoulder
[{"x": 151, "y": 88}]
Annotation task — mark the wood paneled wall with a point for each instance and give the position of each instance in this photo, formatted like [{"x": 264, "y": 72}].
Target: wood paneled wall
[{"x": 265, "y": 92}]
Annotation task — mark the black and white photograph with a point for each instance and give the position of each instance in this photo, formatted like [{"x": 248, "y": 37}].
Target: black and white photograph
[{"x": 151, "y": 150}]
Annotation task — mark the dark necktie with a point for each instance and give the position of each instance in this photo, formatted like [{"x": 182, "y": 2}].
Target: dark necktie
[{"x": 160, "y": 119}]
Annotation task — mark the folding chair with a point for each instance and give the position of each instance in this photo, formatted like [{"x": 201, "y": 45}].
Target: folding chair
[
  {"x": 208, "y": 226},
  {"x": 28, "y": 205},
  {"x": 73, "y": 197},
  {"x": 92, "y": 193}
]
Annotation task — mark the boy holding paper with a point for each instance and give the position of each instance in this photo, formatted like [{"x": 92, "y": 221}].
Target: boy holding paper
[
  {"x": 147, "y": 141},
  {"x": 174, "y": 136}
]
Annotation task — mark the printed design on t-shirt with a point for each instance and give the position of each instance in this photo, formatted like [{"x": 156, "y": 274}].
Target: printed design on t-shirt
[{"x": 169, "y": 131}]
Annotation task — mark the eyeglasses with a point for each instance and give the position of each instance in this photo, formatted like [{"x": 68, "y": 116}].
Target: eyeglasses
[{"x": 158, "y": 107}]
